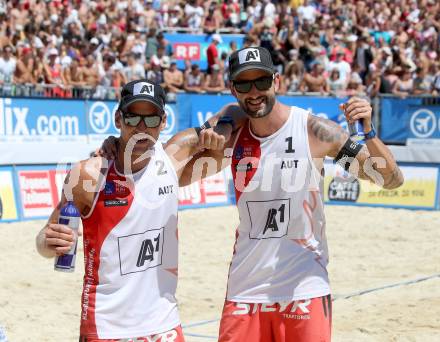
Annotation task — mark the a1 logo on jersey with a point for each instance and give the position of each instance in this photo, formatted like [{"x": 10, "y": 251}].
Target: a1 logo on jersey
[
  {"x": 269, "y": 219},
  {"x": 139, "y": 252}
]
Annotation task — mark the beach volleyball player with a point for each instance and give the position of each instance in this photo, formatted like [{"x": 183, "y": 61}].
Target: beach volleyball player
[
  {"x": 129, "y": 216},
  {"x": 278, "y": 287}
]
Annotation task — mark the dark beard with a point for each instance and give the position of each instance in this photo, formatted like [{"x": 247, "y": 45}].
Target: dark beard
[{"x": 269, "y": 103}]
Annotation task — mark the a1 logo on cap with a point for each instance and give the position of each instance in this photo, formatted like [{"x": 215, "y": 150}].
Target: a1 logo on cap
[
  {"x": 143, "y": 88},
  {"x": 249, "y": 55}
]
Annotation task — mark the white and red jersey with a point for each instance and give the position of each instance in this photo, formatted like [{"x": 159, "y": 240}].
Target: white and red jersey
[
  {"x": 280, "y": 253},
  {"x": 130, "y": 250}
]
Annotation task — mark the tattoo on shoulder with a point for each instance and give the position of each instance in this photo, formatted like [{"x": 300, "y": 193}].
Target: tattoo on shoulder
[{"x": 326, "y": 130}]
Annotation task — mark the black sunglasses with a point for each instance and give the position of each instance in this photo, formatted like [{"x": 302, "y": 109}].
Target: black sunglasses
[
  {"x": 151, "y": 121},
  {"x": 263, "y": 83}
]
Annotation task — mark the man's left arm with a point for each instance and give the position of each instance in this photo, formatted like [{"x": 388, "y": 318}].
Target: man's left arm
[{"x": 372, "y": 161}]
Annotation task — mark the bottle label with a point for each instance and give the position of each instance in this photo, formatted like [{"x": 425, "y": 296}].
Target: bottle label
[
  {"x": 66, "y": 262},
  {"x": 63, "y": 220},
  {"x": 356, "y": 131},
  {"x": 70, "y": 221}
]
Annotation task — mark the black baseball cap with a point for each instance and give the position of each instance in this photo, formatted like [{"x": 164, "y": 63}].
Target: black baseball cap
[
  {"x": 142, "y": 90},
  {"x": 248, "y": 59}
]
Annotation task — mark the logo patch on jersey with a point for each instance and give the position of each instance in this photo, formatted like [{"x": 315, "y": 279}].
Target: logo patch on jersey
[
  {"x": 269, "y": 219},
  {"x": 239, "y": 152},
  {"x": 115, "y": 203},
  {"x": 243, "y": 167},
  {"x": 121, "y": 188},
  {"x": 248, "y": 151},
  {"x": 244, "y": 152},
  {"x": 139, "y": 252},
  {"x": 115, "y": 188},
  {"x": 109, "y": 188}
]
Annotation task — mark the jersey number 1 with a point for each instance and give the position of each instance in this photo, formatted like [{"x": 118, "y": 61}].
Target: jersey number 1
[{"x": 290, "y": 148}]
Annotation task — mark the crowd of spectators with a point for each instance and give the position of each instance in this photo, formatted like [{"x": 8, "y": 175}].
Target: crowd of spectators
[{"x": 91, "y": 48}]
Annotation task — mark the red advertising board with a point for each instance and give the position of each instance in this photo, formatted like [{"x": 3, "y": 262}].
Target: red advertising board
[
  {"x": 212, "y": 190},
  {"x": 191, "y": 195},
  {"x": 39, "y": 191},
  {"x": 36, "y": 193},
  {"x": 57, "y": 178}
]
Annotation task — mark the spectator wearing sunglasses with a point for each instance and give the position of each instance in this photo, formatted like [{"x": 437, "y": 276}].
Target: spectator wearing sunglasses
[
  {"x": 129, "y": 216},
  {"x": 278, "y": 287}
]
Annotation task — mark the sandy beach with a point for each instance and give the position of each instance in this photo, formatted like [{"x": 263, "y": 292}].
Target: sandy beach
[{"x": 370, "y": 249}]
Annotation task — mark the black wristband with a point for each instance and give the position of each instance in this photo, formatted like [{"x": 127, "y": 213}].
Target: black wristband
[
  {"x": 347, "y": 153},
  {"x": 205, "y": 125}
]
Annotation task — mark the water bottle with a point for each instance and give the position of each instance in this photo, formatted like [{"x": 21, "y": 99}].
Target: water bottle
[
  {"x": 356, "y": 131},
  {"x": 70, "y": 216}
]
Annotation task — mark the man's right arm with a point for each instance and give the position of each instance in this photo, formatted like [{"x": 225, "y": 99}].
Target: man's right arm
[
  {"x": 206, "y": 163},
  {"x": 80, "y": 185}
]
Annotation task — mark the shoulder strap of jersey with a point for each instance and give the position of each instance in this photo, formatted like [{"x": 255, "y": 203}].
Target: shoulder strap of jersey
[{"x": 103, "y": 172}]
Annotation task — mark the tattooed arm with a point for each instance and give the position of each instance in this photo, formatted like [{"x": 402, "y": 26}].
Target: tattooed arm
[{"x": 374, "y": 162}]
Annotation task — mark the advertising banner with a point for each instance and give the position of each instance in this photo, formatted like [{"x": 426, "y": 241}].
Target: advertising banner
[
  {"x": 57, "y": 180},
  {"x": 324, "y": 107},
  {"x": 199, "y": 108},
  {"x": 8, "y": 206},
  {"x": 31, "y": 120},
  {"x": 100, "y": 120},
  {"x": 173, "y": 123},
  {"x": 214, "y": 189},
  {"x": 419, "y": 190},
  {"x": 424, "y": 125},
  {"x": 36, "y": 193},
  {"x": 71, "y": 121},
  {"x": 210, "y": 191},
  {"x": 193, "y": 47},
  {"x": 40, "y": 190},
  {"x": 90, "y": 122},
  {"x": 395, "y": 118},
  {"x": 101, "y": 123},
  {"x": 190, "y": 195}
]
